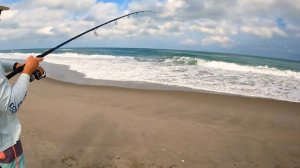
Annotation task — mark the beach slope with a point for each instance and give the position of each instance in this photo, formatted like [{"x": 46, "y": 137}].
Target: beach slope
[{"x": 69, "y": 125}]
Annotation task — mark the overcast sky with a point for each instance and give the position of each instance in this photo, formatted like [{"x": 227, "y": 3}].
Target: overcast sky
[{"x": 257, "y": 27}]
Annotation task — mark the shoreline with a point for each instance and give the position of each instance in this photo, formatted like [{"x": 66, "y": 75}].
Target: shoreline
[
  {"x": 78, "y": 78},
  {"x": 72, "y": 76},
  {"x": 169, "y": 89}
]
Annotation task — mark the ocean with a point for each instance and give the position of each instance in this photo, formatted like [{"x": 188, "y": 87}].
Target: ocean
[{"x": 200, "y": 71}]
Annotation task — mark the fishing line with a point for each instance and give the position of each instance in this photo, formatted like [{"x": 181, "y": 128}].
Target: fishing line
[{"x": 94, "y": 29}]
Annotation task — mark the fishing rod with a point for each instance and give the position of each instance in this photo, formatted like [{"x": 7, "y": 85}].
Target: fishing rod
[{"x": 20, "y": 69}]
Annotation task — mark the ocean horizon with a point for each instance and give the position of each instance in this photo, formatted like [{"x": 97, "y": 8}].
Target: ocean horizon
[{"x": 225, "y": 73}]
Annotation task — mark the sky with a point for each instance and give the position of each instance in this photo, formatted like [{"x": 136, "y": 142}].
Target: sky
[{"x": 269, "y": 28}]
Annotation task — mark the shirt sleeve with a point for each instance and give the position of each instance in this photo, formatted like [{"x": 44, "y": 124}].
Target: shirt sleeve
[
  {"x": 11, "y": 97},
  {"x": 7, "y": 65}
]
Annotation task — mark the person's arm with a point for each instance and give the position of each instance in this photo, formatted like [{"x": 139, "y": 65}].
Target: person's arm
[{"x": 12, "y": 97}]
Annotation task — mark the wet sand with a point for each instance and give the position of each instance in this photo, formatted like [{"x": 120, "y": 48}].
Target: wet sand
[{"x": 70, "y": 125}]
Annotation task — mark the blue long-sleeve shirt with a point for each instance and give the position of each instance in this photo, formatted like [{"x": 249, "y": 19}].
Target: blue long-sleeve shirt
[{"x": 11, "y": 97}]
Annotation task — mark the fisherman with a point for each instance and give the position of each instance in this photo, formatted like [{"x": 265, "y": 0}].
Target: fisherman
[{"x": 11, "y": 97}]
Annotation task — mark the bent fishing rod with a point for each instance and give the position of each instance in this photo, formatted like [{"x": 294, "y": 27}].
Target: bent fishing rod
[{"x": 20, "y": 69}]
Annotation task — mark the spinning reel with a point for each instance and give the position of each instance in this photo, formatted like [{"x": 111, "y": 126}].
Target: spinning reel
[{"x": 39, "y": 74}]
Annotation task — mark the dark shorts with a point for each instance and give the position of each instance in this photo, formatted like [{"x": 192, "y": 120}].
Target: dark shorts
[{"x": 12, "y": 157}]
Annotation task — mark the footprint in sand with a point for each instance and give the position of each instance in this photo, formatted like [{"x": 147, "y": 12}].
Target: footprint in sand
[
  {"x": 69, "y": 161},
  {"x": 162, "y": 166},
  {"x": 113, "y": 157}
]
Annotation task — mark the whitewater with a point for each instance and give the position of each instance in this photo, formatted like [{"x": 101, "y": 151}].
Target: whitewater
[{"x": 214, "y": 72}]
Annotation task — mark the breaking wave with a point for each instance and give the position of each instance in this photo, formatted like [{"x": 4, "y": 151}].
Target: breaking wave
[{"x": 195, "y": 73}]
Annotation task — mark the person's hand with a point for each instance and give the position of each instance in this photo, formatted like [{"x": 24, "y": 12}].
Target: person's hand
[{"x": 32, "y": 63}]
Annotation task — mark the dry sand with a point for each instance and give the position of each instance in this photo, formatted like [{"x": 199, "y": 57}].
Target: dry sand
[{"x": 68, "y": 125}]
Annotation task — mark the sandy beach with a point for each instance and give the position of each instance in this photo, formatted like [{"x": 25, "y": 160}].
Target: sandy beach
[
  {"x": 70, "y": 125},
  {"x": 151, "y": 84}
]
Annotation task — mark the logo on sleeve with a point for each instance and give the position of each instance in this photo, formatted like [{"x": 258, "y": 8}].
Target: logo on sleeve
[{"x": 13, "y": 108}]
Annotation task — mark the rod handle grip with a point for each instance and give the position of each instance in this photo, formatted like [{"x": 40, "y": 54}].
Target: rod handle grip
[{"x": 13, "y": 73}]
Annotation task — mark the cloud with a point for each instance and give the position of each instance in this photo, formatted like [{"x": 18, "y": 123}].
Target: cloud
[
  {"x": 171, "y": 6},
  {"x": 209, "y": 26},
  {"x": 219, "y": 21},
  {"x": 210, "y": 23},
  {"x": 293, "y": 27},
  {"x": 41, "y": 18},
  {"x": 46, "y": 31},
  {"x": 8, "y": 15},
  {"x": 221, "y": 40},
  {"x": 103, "y": 11},
  {"x": 264, "y": 32},
  {"x": 75, "y": 5},
  {"x": 188, "y": 42}
]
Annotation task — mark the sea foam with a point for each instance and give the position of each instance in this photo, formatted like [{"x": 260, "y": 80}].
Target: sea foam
[{"x": 195, "y": 73}]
